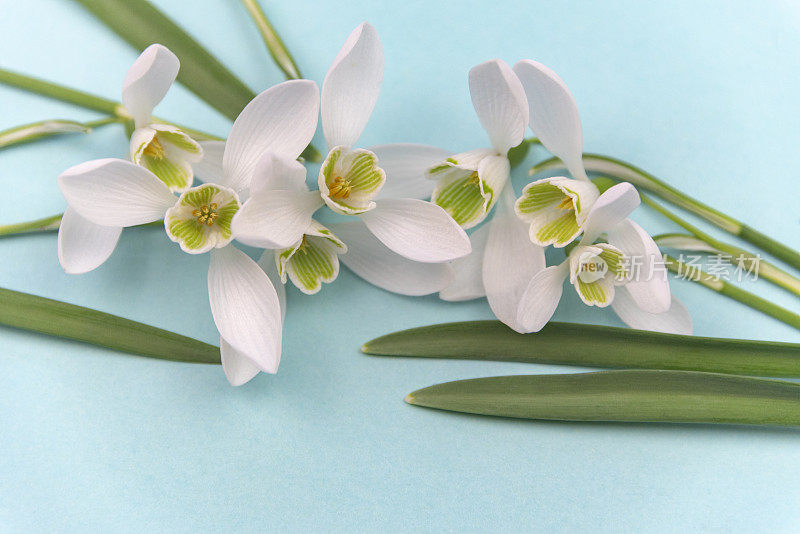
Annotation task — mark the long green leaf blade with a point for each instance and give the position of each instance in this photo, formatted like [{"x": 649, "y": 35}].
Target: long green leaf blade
[
  {"x": 141, "y": 24},
  {"x": 56, "y": 318},
  {"x": 622, "y": 396},
  {"x": 280, "y": 55},
  {"x": 591, "y": 346}
]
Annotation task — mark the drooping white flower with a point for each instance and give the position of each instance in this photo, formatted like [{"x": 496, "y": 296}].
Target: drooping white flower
[
  {"x": 163, "y": 149},
  {"x": 556, "y": 208},
  {"x": 400, "y": 231},
  {"x": 244, "y": 302},
  {"x": 350, "y": 178},
  {"x": 626, "y": 272}
]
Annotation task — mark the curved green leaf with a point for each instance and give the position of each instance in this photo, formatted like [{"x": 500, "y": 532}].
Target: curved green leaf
[
  {"x": 56, "y": 318},
  {"x": 622, "y": 396},
  {"x": 591, "y": 346}
]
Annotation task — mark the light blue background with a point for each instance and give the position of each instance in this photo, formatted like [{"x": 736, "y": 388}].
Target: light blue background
[{"x": 706, "y": 95}]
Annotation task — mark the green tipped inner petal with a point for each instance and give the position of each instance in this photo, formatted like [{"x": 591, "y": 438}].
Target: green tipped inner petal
[
  {"x": 559, "y": 231},
  {"x": 201, "y": 220},
  {"x": 349, "y": 180},
  {"x": 538, "y": 197},
  {"x": 313, "y": 261},
  {"x": 180, "y": 140},
  {"x": 598, "y": 293},
  {"x": 177, "y": 175},
  {"x": 466, "y": 199}
]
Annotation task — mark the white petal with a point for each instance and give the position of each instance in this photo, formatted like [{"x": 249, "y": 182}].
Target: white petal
[
  {"x": 676, "y": 320},
  {"x": 239, "y": 369},
  {"x": 541, "y": 297},
  {"x": 148, "y": 80},
  {"x": 209, "y": 169},
  {"x": 499, "y": 101},
  {"x": 115, "y": 192},
  {"x": 509, "y": 262},
  {"x": 494, "y": 171},
  {"x": 267, "y": 264},
  {"x": 553, "y": 114},
  {"x": 83, "y": 245},
  {"x": 275, "y": 219},
  {"x": 351, "y": 87},
  {"x": 405, "y": 165},
  {"x": 280, "y": 120},
  {"x": 610, "y": 209},
  {"x": 649, "y": 284},
  {"x": 417, "y": 230},
  {"x": 468, "y": 281},
  {"x": 245, "y": 307},
  {"x": 276, "y": 172},
  {"x": 371, "y": 260}
]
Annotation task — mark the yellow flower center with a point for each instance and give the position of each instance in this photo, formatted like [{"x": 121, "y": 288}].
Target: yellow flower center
[
  {"x": 566, "y": 204},
  {"x": 207, "y": 214},
  {"x": 340, "y": 189},
  {"x": 154, "y": 149}
]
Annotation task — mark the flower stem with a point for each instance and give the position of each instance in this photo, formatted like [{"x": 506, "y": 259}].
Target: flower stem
[
  {"x": 752, "y": 262},
  {"x": 640, "y": 178},
  {"x": 46, "y": 224},
  {"x": 86, "y": 100},
  {"x": 43, "y": 129},
  {"x": 283, "y": 59},
  {"x": 698, "y": 275},
  {"x": 59, "y": 92},
  {"x": 50, "y": 224}
]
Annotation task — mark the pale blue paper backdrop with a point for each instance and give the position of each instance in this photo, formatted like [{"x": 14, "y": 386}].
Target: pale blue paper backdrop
[{"x": 705, "y": 94}]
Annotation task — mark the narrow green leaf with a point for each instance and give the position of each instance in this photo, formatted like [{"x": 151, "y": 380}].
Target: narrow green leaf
[
  {"x": 696, "y": 274},
  {"x": 274, "y": 43},
  {"x": 622, "y": 396},
  {"x": 591, "y": 346},
  {"x": 59, "y": 92},
  {"x": 42, "y": 129},
  {"x": 141, "y": 24},
  {"x": 56, "y": 318}
]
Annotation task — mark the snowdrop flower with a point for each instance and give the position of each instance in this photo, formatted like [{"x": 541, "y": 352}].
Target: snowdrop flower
[
  {"x": 469, "y": 184},
  {"x": 278, "y": 216},
  {"x": 556, "y": 208},
  {"x": 400, "y": 231},
  {"x": 350, "y": 178},
  {"x": 244, "y": 302},
  {"x": 623, "y": 273},
  {"x": 165, "y": 150}
]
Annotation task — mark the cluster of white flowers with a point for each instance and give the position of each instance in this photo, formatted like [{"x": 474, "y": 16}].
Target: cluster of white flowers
[{"x": 254, "y": 191}]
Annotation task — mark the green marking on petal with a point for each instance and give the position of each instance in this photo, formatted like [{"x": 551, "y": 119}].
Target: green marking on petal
[
  {"x": 559, "y": 231},
  {"x": 349, "y": 180},
  {"x": 176, "y": 175},
  {"x": 465, "y": 199},
  {"x": 180, "y": 140},
  {"x": 537, "y": 197},
  {"x": 597, "y": 293},
  {"x": 310, "y": 263},
  {"x": 614, "y": 258},
  {"x": 202, "y": 217}
]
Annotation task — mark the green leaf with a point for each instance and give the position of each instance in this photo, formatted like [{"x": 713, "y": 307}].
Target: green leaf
[
  {"x": 141, "y": 24},
  {"x": 59, "y": 92},
  {"x": 622, "y": 396},
  {"x": 42, "y": 129},
  {"x": 56, "y": 318},
  {"x": 591, "y": 346},
  {"x": 280, "y": 55}
]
